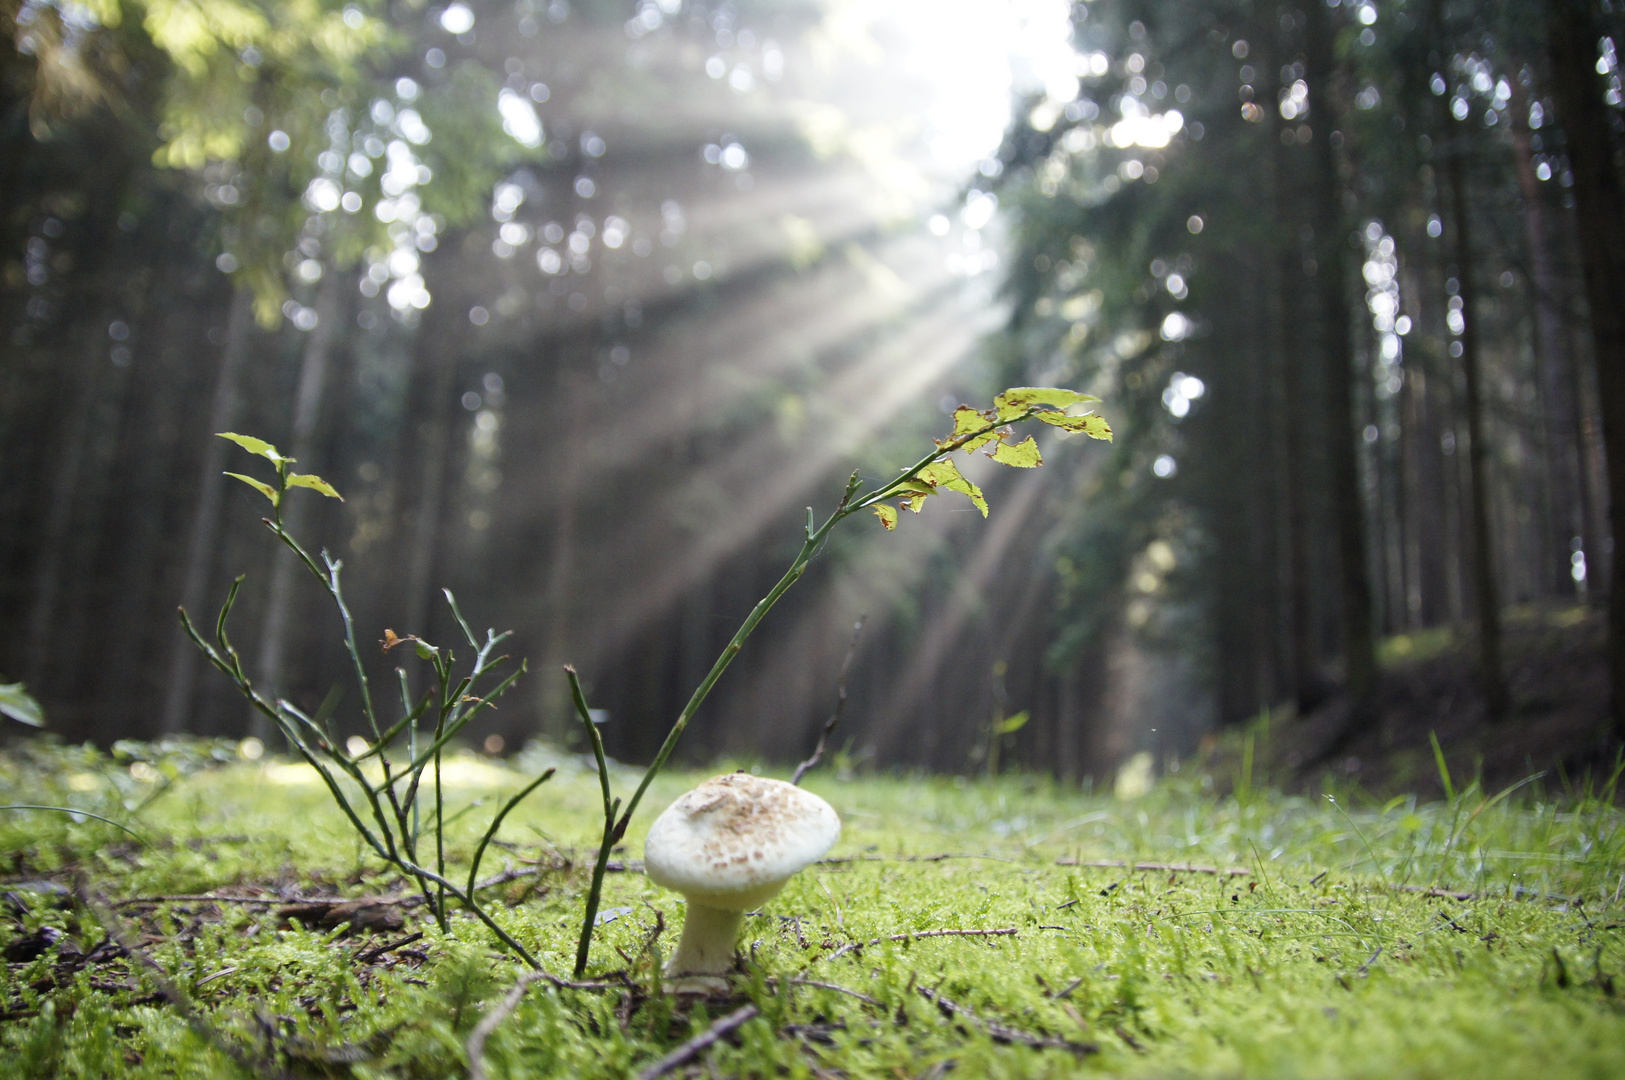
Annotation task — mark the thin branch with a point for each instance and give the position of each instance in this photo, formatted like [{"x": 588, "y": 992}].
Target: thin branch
[
  {"x": 373, "y": 954},
  {"x": 488, "y": 1023},
  {"x": 815, "y": 984},
  {"x": 1002, "y": 1033},
  {"x": 840, "y": 706},
  {"x": 856, "y": 946},
  {"x": 1173, "y": 868},
  {"x": 700, "y": 1043}
]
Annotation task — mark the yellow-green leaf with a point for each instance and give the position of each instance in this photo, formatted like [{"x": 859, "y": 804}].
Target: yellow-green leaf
[
  {"x": 1018, "y": 399},
  {"x": 1012, "y": 724},
  {"x": 1023, "y": 455},
  {"x": 264, "y": 489},
  {"x": 914, "y": 494},
  {"x": 1089, "y": 424},
  {"x": 255, "y": 446},
  {"x": 887, "y": 516},
  {"x": 967, "y": 420},
  {"x": 314, "y": 483},
  {"x": 946, "y": 474}
]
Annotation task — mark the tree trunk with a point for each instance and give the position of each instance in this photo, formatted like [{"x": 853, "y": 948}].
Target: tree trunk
[
  {"x": 1572, "y": 39},
  {"x": 1331, "y": 233},
  {"x": 286, "y": 568},
  {"x": 1569, "y": 513},
  {"x": 206, "y": 522},
  {"x": 1489, "y": 609}
]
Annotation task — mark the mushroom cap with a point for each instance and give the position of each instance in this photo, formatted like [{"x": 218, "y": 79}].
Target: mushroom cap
[{"x": 733, "y": 842}]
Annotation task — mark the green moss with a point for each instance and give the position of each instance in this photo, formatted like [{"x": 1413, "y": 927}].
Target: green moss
[{"x": 1322, "y": 958}]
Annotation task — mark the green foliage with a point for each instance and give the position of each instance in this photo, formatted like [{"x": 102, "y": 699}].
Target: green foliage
[
  {"x": 1315, "y": 953},
  {"x": 277, "y": 109},
  {"x": 21, "y": 706}
]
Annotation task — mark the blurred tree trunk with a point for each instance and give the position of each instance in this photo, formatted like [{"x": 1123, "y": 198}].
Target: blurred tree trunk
[
  {"x": 1331, "y": 243},
  {"x": 206, "y": 519},
  {"x": 286, "y": 569},
  {"x": 83, "y": 391},
  {"x": 1484, "y": 585},
  {"x": 1572, "y": 36},
  {"x": 1570, "y": 516},
  {"x": 433, "y": 404}
]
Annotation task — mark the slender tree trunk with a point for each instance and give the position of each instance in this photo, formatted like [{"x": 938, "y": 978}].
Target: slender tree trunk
[
  {"x": 206, "y": 521},
  {"x": 1484, "y": 586},
  {"x": 286, "y": 569},
  {"x": 1572, "y": 38},
  {"x": 1331, "y": 241},
  {"x": 1568, "y": 497},
  {"x": 54, "y": 539},
  {"x": 437, "y": 366}
]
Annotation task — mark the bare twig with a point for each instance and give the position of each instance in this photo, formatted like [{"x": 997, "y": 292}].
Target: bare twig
[
  {"x": 700, "y": 1043},
  {"x": 865, "y": 998},
  {"x": 1002, "y": 1033},
  {"x": 373, "y": 954},
  {"x": 199, "y": 898},
  {"x": 1173, "y": 868},
  {"x": 488, "y": 1023},
  {"x": 840, "y": 705},
  {"x": 1008, "y": 931}
]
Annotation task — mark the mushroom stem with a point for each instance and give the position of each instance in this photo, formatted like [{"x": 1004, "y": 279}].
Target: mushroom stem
[{"x": 707, "y": 945}]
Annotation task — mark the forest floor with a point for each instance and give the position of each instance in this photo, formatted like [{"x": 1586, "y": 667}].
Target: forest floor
[
  {"x": 1556, "y": 724},
  {"x": 1009, "y": 927}
]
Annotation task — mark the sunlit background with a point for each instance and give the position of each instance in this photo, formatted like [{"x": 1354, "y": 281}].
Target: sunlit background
[{"x": 581, "y": 305}]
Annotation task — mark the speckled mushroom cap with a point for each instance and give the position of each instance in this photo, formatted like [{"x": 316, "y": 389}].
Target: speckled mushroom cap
[{"x": 733, "y": 842}]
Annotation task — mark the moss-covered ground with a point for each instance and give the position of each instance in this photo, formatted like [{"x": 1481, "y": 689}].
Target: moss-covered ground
[{"x": 1310, "y": 937}]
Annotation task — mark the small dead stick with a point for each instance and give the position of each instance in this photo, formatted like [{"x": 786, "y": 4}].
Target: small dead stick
[
  {"x": 865, "y": 998},
  {"x": 1008, "y": 931},
  {"x": 271, "y": 901},
  {"x": 488, "y": 1023},
  {"x": 700, "y": 1043},
  {"x": 373, "y": 954},
  {"x": 504, "y": 1009},
  {"x": 840, "y": 706},
  {"x": 1001, "y": 1033},
  {"x": 1173, "y": 868},
  {"x": 170, "y": 993}
]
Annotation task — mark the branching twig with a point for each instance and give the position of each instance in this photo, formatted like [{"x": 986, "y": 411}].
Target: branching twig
[
  {"x": 840, "y": 705},
  {"x": 856, "y": 946},
  {"x": 700, "y": 1043}
]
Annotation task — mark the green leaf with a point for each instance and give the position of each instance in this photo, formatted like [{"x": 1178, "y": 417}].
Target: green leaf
[
  {"x": 887, "y": 516},
  {"x": 255, "y": 446},
  {"x": 1023, "y": 455},
  {"x": 1018, "y": 399},
  {"x": 1012, "y": 724},
  {"x": 946, "y": 474},
  {"x": 16, "y": 703},
  {"x": 314, "y": 483},
  {"x": 264, "y": 489},
  {"x": 1089, "y": 424}
]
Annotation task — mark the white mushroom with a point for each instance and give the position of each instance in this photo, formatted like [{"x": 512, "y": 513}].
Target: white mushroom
[{"x": 729, "y": 846}]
